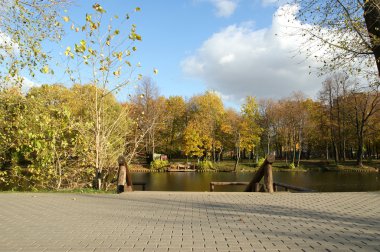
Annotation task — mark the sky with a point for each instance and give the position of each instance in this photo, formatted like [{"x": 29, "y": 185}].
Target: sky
[{"x": 233, "y": 47}]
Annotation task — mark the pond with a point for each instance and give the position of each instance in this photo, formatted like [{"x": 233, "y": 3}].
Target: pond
[{"x": 316, "y": 180}]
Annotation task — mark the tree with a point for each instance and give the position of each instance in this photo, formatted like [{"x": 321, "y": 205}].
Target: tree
[
  {"x": 40, "y": 145},
  {"x": 205, "y": 123},
  {"x": 105, "y": 52},
  {"x": 24, "y": 27},
  {"x": 334, "y": 95},
  {"x": 148, "y": 111},
  {"x": 250, "y": 130},
  {"x": 174, "y": 117},
  {"x": 347, "y": 30},
  {"x": 365, "y": 106}
]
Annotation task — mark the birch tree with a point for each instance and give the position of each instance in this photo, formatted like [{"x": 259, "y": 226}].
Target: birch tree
[
  {"x": 105, "y": 52},
  {"x": 24, "y": 26}
]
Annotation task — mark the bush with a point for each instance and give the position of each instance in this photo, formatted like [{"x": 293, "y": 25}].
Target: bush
[
  {"x": 291, "y": 166},
  {"x": 260, "y": 162},
  {"x": 159, "y": 164},
  {"x": 206, "y": 165}
]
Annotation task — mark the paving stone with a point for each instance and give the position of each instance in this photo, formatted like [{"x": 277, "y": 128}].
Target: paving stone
[{"x": 179, "y": 221}]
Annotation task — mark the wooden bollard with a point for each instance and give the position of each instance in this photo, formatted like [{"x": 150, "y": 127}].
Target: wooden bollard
[
  {"x": 268, "y": 177},
  {"x": 122, "y": 173},
  {"x": 124, "y": 180},
  {"x": 265, "y": 171}
]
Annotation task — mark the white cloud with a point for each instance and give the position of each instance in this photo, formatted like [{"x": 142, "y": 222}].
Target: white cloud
[
  {"x": 274, "y": 2},
  {"x": 269, "y": 2},
  {"x": 27, "y": 83},
  {"x": 240, "y": 61},
  {"x": 7, "y": 46},
  {"x": 224, "y": 8}
]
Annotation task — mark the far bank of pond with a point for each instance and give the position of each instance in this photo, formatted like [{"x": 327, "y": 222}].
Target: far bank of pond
[{"x": 316, "y": 180}]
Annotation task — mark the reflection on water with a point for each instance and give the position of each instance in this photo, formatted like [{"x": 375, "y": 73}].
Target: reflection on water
[{"x": 319, "y": 181}]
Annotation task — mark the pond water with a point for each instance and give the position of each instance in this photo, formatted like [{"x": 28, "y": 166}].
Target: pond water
[{"x": 319, "y": 181}]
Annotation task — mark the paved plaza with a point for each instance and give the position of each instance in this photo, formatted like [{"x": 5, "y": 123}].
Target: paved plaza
[{"x": 187, "y": 221}]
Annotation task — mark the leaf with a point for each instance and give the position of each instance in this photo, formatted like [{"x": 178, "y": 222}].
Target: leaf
[
  {"x": 155, "y": 71},
  {"x": 45, "y": 69},
  {"x": 119, "y": 56},
  {"x": 98, "y": 8},
  {"x": 68, "y": 50},
  {"x": 134, "y": 48},
  {"x": 137, "y": 9},
  {"x": 66, "y": 19},
  {"x": 88, "y": 17}
]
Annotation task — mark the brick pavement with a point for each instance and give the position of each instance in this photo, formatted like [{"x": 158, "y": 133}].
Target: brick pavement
[{"x": 187, "y": 221}]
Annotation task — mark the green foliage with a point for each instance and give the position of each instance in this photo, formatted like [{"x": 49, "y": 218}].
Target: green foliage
[
  {"x": 46, "y": 138},
  {"x": 206, "y": 165},
  {"x": 159, "y": 164},
  {"x": 260, "y": 161},
  {"x": 291, "y": 166},
  {"x": 105, "y": 50},
  {"x": 25, "y": 25}
]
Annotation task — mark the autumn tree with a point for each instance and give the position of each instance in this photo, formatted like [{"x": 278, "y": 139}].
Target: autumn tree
[
  {"x": 41, "y": 148},
  {"x": 24, "y": 27},
  {"x": 148, "y": 111},
  {"x": 366, "y": 104},
  {"x": 175, "y": 123},
  {"x": 346, "y": 31},
  {"x": 105, "y": 52},
  {"x": 334, "y": 95},
  {"x": 250, "y": 130},
  {"x": 202, "y": 134}
]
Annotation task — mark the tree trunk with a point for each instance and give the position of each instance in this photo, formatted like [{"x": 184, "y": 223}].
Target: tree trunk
[
  {"x": 372, "y": 20},
  {"x": 299, "y": 148},
  {"x": 359, "y": 157},
  {"x": 336, "y": 153},
  {"x": 294, "y": 153},
  {"x": 220, "y": 154},
  {"x": 237, "y": 159}
]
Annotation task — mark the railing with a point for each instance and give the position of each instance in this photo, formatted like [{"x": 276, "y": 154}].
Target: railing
[
  {"x": 213, "y": 184},
  {"x": 260, "y": 187},
  {"x": 290, "y": 187}
]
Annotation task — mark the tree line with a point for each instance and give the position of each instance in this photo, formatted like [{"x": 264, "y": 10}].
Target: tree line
[{"x": 51, "y": 137}]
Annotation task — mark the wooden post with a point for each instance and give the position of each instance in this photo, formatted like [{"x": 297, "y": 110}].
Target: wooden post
[
  {"x": 127, "y": 179},
  {"x": 268, "y": 178},
  {"x": 256, "y": 187},
  {"x": 261, "y": 172},
  {"x": 121, "y": 175}
]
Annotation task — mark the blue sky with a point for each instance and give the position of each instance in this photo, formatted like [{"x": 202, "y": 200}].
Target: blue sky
[{"x": 234, "y": 47}]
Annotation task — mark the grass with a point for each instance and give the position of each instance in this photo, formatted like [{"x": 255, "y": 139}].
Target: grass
[
  {"x": 83, "y": 190},
  {"x": 281, "y": 165}
]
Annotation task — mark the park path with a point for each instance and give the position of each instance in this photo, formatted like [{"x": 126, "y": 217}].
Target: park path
[{"x": 190, "y": 221}]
